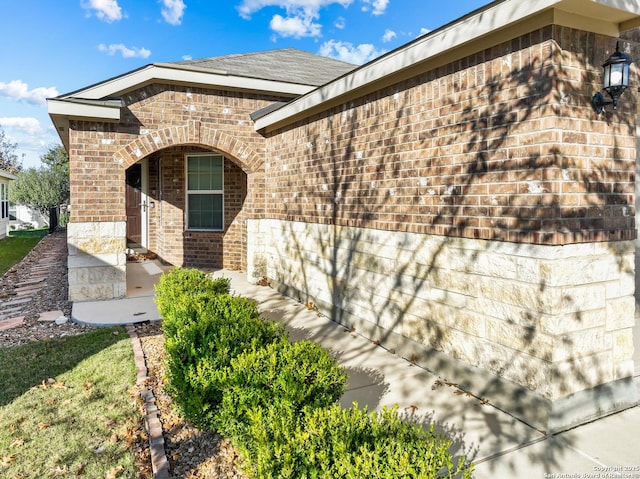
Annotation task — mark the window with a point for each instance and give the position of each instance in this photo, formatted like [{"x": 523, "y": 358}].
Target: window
[
  {"x": 205, "y": 193},
  {"x": 4, "y": 201}
]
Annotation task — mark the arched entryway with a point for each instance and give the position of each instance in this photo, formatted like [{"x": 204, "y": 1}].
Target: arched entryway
[{"x": 186, "y": 205}]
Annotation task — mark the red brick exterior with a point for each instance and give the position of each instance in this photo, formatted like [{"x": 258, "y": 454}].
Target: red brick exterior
[
  {"x": 163, "y": 123},
  {"x": 501, "y": 145}
]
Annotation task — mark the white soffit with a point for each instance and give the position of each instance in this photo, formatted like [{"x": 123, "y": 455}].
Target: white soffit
[
  {"x": 608, "y": 17},
  {"x": 7, "y": 176},
  {"x": 107, "y": 110}
]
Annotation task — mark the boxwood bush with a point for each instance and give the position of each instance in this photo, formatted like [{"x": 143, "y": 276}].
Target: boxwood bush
[
  {"x": 182, "y": 287},
  {"x": 300, "y": 374},
  {"x": 333, "y": 442},
  {"x": 229, "y": 369},
  {"x": 205, "y": 328}
]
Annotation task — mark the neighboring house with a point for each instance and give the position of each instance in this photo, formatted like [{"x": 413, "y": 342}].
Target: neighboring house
[
  {"x": 457, "y": 199},
  {"x": 5, "y": 178}
]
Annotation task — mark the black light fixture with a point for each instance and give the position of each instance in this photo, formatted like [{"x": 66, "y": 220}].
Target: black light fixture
[{"x": 616, "y": 79}]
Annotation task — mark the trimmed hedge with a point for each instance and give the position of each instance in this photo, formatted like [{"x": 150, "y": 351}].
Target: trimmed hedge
[
  {"x": 229, "y": 369},
  {"x": 184, "y": 288},
  {"x": 300, "y": 374},
  {"x": 205, "y": 328},
  {"x": 333, "y": 442}
]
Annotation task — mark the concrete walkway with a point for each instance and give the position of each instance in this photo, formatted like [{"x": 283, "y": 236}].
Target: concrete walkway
[{"x": 499, "y": 445}]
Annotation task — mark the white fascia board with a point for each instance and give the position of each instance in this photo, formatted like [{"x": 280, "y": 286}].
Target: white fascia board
[
  {"x": 109, "y": 111},
  {"x": 489, "y": 20},
  {"x": 7, "y": 175},
  {"x": 187, "y": 76}
]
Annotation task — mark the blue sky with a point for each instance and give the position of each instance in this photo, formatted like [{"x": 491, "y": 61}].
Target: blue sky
[{"x": 50, "y": 47}]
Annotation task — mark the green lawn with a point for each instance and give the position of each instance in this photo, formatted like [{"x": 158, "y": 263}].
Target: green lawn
[
  {"x": 67, "y": 408},
  {"x": 16, "y": 246}
]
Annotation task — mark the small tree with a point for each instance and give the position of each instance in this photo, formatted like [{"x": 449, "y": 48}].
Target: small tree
[
  {"x": 8, "y": 158},
  {"x": 57, "y": 159},
  {"x": 45, "y": 187}
]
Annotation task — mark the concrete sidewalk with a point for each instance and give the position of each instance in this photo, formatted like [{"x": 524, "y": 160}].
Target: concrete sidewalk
[{"x": 499, "y": 445}]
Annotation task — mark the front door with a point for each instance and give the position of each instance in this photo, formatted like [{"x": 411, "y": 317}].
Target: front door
[{"x": 134, "y": 206}]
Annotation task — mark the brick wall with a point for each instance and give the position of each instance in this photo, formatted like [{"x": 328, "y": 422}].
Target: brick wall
[
  {"x": 501, "y": 145},
  {"x": 481, "y": 210},
  {"x": 162, "y": 123},
  {"x": 166, "y": 122}
]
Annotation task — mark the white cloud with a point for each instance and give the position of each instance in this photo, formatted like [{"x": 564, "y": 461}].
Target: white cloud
[
  {"x": 340, "y": 23},
  {"x": 248, "y": 7},
  {"x": 296, "y": 27},
  {"x": 301, "y": 15},
  {"x": 187, "y": 57},
  {"x": 107, "y": 10},
  {"x": 423, "y": 31},
  {"x": 126, "y": 52},
  {"x": 172, "y": 11},
  {"x": 388, "y": 35},
  {"x": 19, "y": 90},
  {"x": 379, "y": 6},
  {"x": 347, "y": 52},
  {"x": 30, "y": 126},
  {"x": 32, "y": 139}
]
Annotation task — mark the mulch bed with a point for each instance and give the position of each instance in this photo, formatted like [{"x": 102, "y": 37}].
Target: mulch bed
[{"x": 192, "y": 453}]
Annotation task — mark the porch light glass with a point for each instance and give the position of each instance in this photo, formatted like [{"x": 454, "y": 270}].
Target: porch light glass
[{"x": 616, "y": 79}]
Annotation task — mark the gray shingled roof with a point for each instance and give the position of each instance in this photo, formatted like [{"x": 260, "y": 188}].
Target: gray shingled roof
[{"x": 286, "y": 65}]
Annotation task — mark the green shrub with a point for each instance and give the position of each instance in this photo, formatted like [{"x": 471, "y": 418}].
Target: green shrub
[
  {"x": 300, "y": 374},
  {"x": 181, "y": 287},
  {"x": 200, "y": 344},
  {"x": 228, "y": 368},
  {"x": 333, "y": 442}
]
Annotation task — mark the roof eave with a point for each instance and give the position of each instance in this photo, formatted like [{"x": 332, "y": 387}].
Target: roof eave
[
  {"x": 62, "y": 109},
  {"x": 185, "y": 75},
  {"x": 7, "y": 175},
  {"x": 477, "y": 31},
  {"x": 89, "y": 103}
]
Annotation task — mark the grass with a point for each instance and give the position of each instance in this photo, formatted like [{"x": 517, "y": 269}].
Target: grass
[
  {"x": 67, "y": 408},
  {"x": 16, "y": 246}
]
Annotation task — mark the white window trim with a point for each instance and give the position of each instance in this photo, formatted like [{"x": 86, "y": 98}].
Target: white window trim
[
  {"x": 4, "y": 200},
  {"x": 187, "y": 191}
]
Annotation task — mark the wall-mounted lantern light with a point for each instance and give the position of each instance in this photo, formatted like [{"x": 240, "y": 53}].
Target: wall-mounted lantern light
[{"x": 616, "y": 80}]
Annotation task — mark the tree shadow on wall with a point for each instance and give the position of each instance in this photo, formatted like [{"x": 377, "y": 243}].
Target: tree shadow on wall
[{"x": 426, "y": 281}]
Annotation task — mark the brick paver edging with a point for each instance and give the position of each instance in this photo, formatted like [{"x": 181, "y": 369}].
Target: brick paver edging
[{"x": 159, "y": 461}]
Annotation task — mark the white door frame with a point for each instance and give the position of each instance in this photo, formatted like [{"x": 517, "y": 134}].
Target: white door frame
[{"x": 144, "y": 204}]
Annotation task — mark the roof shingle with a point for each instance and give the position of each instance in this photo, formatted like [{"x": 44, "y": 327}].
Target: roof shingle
[{"x": 288, "y": 65}]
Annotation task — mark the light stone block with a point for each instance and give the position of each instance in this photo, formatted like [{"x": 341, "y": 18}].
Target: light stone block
[
  {"x": 98, "y": 275},
  {"x": 494, "y": 266},
  {"x": 583, "y": 298},
  {"x": 101, "y": 246},
  {"x": 620, "y": 313},
  {"x": 624, "y": 369},
  {"x": 622, "y": 345},
  {"x": 495, "y": 305},
  {"x": 84, "y": 260},
  {"x": 92, "y": 292},
  {"x": 572, "y": 321},
  {"x": 579, "y": 344},
  {"x": 526, "y": 340},
  {"x": 625, "y": 286},
  {"x": 580, "y": 374}
]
